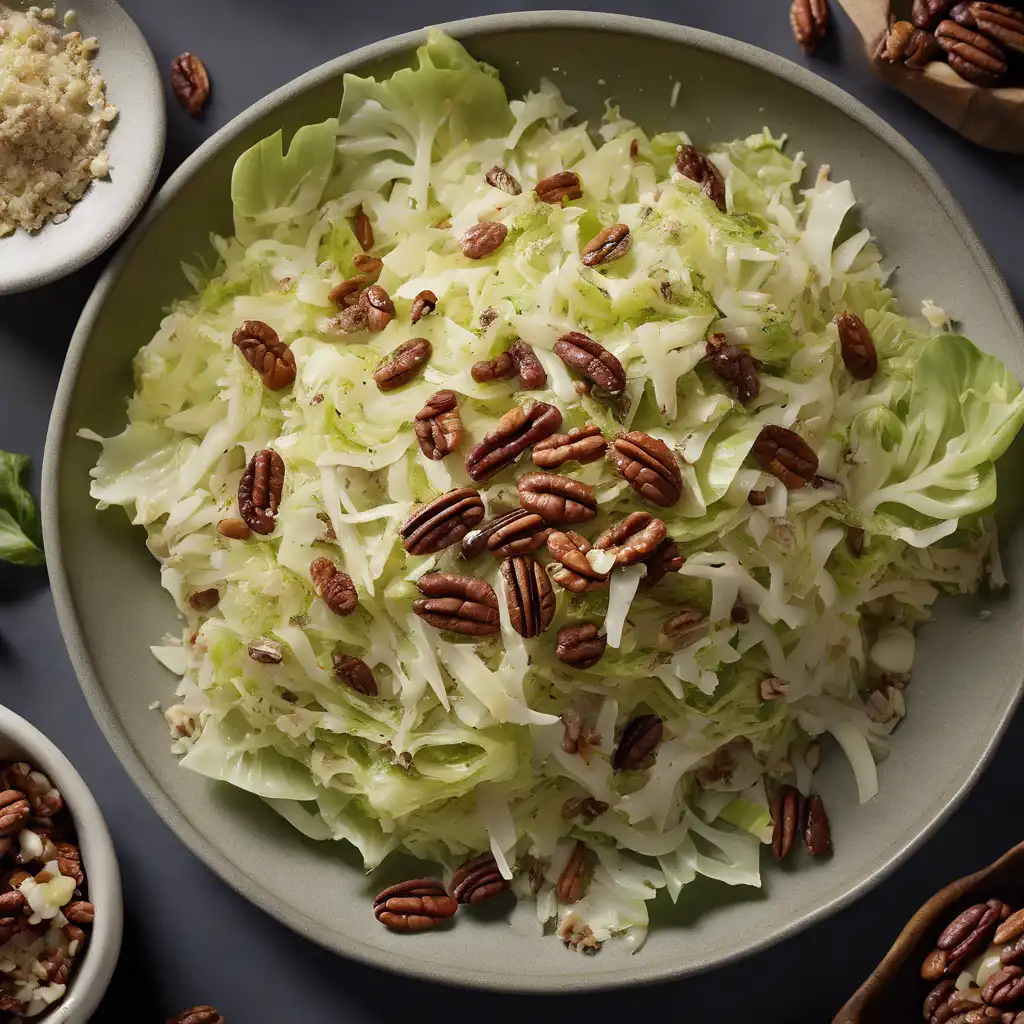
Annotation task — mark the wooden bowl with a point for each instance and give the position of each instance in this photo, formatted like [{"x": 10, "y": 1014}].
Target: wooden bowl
[
  {"x": 993, "y": 118},
  {"x": 895, "y": 990}
]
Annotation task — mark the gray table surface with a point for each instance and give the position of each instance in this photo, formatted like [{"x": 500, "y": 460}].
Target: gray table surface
[{"x": 188, "y": 937}]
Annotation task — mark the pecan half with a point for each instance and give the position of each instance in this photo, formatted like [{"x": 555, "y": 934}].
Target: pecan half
[
  {"x": 1010, "y": 929},
  {"x": 501, "y": 367},
  {"x": 649, "y": 466},
  {"x": 380, "y": 310},
  {"x": 354, "y": 672},
  {"x": 970, "y": 932},
  {"x": 785, "y": 455},
  {"x": 423, "y": 305},
  {"x": 204, "y": 600},
  {"x": 560, "y": 500},
  {"x": 1005, "y": 987},
  {"x": 1003, "y": 24},
  {"x": 477, "y": 881},
  {"x": 961, "y": 14},
  {"x": 608, "y": 245},
  {"x": 928, "y": 13},
  {"x": 334, "y": 587},
  {"x": 735, "y": 366},
  {"x": 572, "y": 882},
  {"x": 69, "y": 861},
  {"x": 443, "y": 521},
  {"x": 516, "y": 533},
  {"x": 414, "y": 906},
  {"x": 1013, "y": 951},
  {"x": 809, "y": 21},
  {"x": 632, "y": 539},
  {"x": 971, "y": 55},
  {"x": 520, "y": 428},
  {"x": 438, "y": 425},
  {"x": 693, "y": 164},
  {"x": 347, "y": 293},
  {"x": 266, "y": 353},
  {"x": 858, "y": 347},
  {"x": 80, "y": 912},
  {"x": 895, "y": 42},
  {"x": 575, "y": 573},
  {"x": 665, "y": 559},
  {"x": 234, "y": 528},
  {"x": 14, "y": 811},
  {"x": 498, "y": 177},
  {"x": 580, "y": 738},
  {"x": 403, "y": 364},
  {"x": 362, "y": 229},
  {"x": 638, "y": 743},
  {"x": 580, "y": 646},
  {"x": 684, "y": 627},
  {"x": 197, "y": 1015},
  {"x": 922, "y": 49},
  {"x": 556, "y": 187},
  {"x": 579, "y": 445},
  {"x": 369, "y": 266},
  {"x": 259, "y": 491},
  {"x": 461, "y": 604},
  {"x": 817, "y": 835},
  {"x": 532, "y": 374},
  {"x": 482, "y": 239},
  {"x": 939, "y": 995},
  {"x": 56, "y": 965},
  {"x": 785, "y": 820},
  {"x": 528, "y": 593},
  {"x": 190, "y": 82},
  {"x": 593, "y": 360}
]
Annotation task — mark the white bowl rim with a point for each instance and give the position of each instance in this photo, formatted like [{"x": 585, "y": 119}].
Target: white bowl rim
[
  {"x": 465, "y": 30},
  {"x": 91, "y": 976}
]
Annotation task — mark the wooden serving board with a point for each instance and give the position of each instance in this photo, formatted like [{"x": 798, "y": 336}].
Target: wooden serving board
[{"x": 993, "y": 118}]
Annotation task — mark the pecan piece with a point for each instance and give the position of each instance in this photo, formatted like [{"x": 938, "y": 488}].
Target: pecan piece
[
  {"x": 575, "y": 572},
  {"x": 922, "y": 49},
  {"x": 349, "y": 321},
  {"x": 234, "y": 528},
  {"x": 498, "y": 177},
  {"x": 895, "y": 42},
  {"x": 347, "y": 293},
  {"x": 928, "y": 13},
  {"x": 572, "y": 882},
  {"x": 266, "y": 353},
  {"x": 334, "y": 587},
  {"x": 438, "y": 425},
  {"x": 693, "y": 164},
  {"x": 423, "y": 305},
  {"x": 632, "y": 539},
  {"x": 809, "y": 21},
  {"x": 478, "y": 880},
  {"x": 515, "y": 533},
  {"x": 354, "y": 672},
  {"x": 80, "y": 912},
  {"x": 556, "y": 187},
  {"x": 638, "y": 743},
  {"x": 501, "y": 367},
  {"x": 14, "y": 811},
  {"x": 1005, "y": 987},
  {"x": 785, "y": 455},
  {"x": 461, "y": 604},
  {"x": 56, "y": 965},
  {"x": 735, "y": 366},
  {"x": 528, "y": 593},
  {"x": 442, "y": 522},
  {"x": 857, "y": 346},
  {"x": 1010, "y": 929},
  {"x": 519, "y": 429},
  {"x": 259, "y": 491},
  {"x": 684, "y": 628},
  {"x": 939, "y": 995},
  {"x": 969, "y": 933},
  {"x": 414, "y": 906},
  {"x": 579, "y": 445},
  {"x": 817, "y": 835},
  {"x": 69, "y": 861},
  {"x": 369, "y": 266},
  {"x": 579, "y": 737},
  {"x": 785, "y": 820},
  {"x": 961, "y": 14},
  {"x": 532, "y": 374},
  {"x": 362, "y": 229},
  {"x": 1001, "y": 23},
  {"x": 560, "y": 500},
  {"x": 380, "y": 310},
  {"x": 665, "y": 559},
  {"x": 1013, "y": 951},
  {"x": 580, "y": 646},
  {"x": 190, "y": 82},
  {"x": 971, "y": 55},
  {"x": 197, "y": 1015},
  {"x": 482, "y": 239},
  {"x": 757, "y": 498},
  {"x": 649, "y": 466},
  {"x": 403, "y": 364},
  {"x": 588, "y": 808},
  {"x": 204, "y": 600},
  {"x": 593, "y": 360},
  {"x": 608, "y": 245}
]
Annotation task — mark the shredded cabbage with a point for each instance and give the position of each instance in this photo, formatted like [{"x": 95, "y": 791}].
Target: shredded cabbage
[{"x": 461, "y": 751}]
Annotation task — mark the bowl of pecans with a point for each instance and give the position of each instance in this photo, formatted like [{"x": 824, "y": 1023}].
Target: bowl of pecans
[
  {"x": 60, "y": 889},
  {"x": 960, "y": 958}
]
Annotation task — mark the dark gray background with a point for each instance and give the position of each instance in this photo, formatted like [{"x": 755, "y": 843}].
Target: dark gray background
[{"x": 188, "y": 937}]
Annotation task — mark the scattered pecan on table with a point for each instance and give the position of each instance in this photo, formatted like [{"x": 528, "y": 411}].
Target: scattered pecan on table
[
  {"x": 649, "y": 466},
  {"x": 519, "y": 429},
  {"x": 414, "y": 906},
  {"x": 333, "y": 586},
  {"x": 580, "y": 646},
  {"x": 264, "y": 351},
  {"x": 354, "y": 672},
  {"x": 198, "y": 1015},
  {"x": 582, "y": 445},
  {"x": 559, "y": 500},
  {"x": 438, "y": 425},
  {"x": 638, "y": 744},
  {"x": 693, "y": 164},
  {"x": 259, "y": 491},
  {"x": 515, "y": 533},
  {"x": 461, "y": 604},
  {"x": 557, "y": 187},
  {"x": 809, "y": 21},
  {"x": 442, "y": 522},
  {"x": 528, "y": 594},
  {"x": 607, "y": 246},
  {"x": 786, "y": 455},
  {"x": 970, "y": 54},
  {"x": 403, "y": 364},
  {"x": 190, "y": 82},
  {"x": 477, "y": 881},
  {"x": 574, "y": 572}
]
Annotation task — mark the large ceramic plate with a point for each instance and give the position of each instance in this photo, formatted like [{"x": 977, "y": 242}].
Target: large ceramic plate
[{"x": 111, "y": 606}]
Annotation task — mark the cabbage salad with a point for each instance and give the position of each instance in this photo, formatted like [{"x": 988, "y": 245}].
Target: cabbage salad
[{"x": 461, "y": 751}]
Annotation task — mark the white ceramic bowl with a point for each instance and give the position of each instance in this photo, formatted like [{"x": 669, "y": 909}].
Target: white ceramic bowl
[{"x": 21, "y": 741}]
